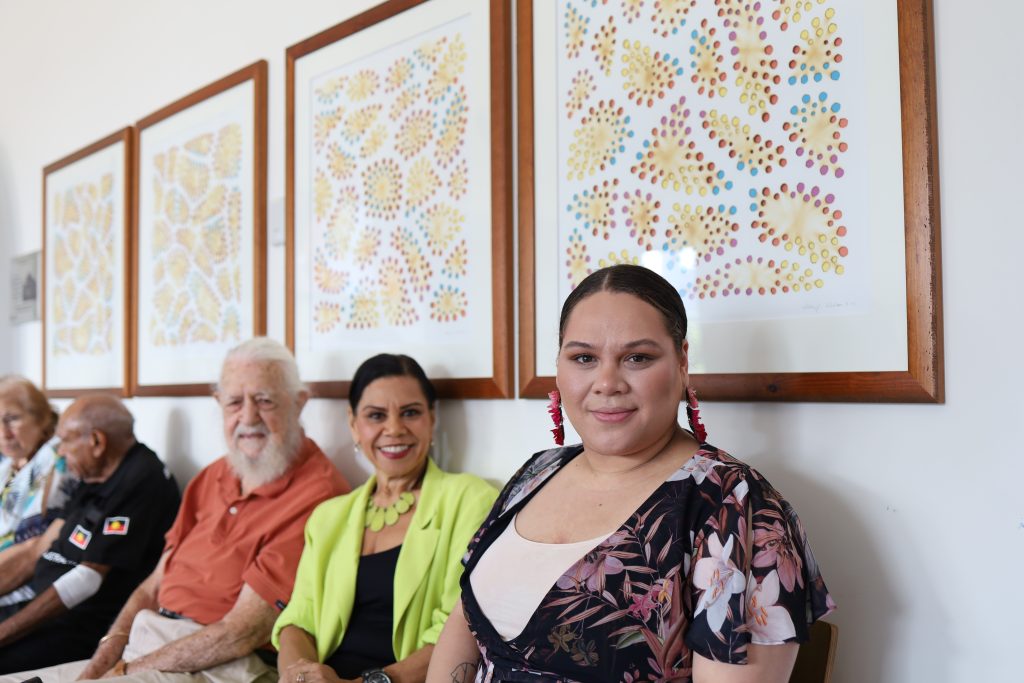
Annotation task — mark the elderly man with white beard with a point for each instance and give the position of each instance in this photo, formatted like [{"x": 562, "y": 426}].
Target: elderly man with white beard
[{"x": 230, "y": 558}]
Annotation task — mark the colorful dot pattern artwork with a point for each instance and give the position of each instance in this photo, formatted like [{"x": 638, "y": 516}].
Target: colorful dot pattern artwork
[
  {"x": 720, "y": 143},
  {"x": 599, "y": 140},
  {"x": 706, "y": 62},
  {"x": 83, "y": 277},
  {"x": 604, "y": 46},
  {"x": 392, "y": 184},
  {"x": 196, "y": 251}
]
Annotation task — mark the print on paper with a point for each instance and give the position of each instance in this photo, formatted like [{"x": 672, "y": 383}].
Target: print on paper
[
  {"x": 195, "y": 259},
  {"x": 391, "y": 189},
  {"x": 715, "y": 141},
  {"x": 85, "y": 264}
]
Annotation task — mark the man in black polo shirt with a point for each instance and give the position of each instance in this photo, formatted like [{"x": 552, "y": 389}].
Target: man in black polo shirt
[{"x": 105, "y": 541}]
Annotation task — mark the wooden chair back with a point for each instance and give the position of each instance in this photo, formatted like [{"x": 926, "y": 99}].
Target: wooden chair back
[{"x": 815, "y": 659}]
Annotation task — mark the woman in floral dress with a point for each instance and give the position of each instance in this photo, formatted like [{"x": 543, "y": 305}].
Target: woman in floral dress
[
  {"x": 34, "y": 481},
  {"x": 644, "y": 553}
]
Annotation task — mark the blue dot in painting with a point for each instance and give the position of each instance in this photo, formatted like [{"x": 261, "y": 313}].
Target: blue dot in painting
[
  {"x": 728, "y": 185},
  {"x": 792, "y": 80},
  {"x": 805, "y": 99},
  {"x": 732, "y": 210},
  {"x": 714, "y": 190},
  {"x": 753, "y": 171},
  {"x": 817, "y": 78},
  {"x": 741, "y": 165},
  {"x": 794, "y": 109},
  {"x": 803, "y": 79},
  {"x": 834, "y": 75},
  {"x": 752, "y": 193},
  {"x": 720, "y": 175},
  {"x": 822, "y": 97},
  {"x": 835, "y": 107},
  {"x": 612, "y": 160}
]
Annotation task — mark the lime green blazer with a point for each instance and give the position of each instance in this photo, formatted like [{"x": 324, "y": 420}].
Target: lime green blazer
[{"x": 450, "y": 509}]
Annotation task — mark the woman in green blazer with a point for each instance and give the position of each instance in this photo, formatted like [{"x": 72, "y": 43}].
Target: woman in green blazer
[{"x": 381, "y": 566}]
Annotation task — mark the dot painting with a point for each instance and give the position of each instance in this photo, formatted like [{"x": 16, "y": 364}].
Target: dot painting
[
  {"x": 817, "y": 130},
  {"x": 599, "y": 140},
  {"x": 84, "y": 268},
  {"x": 196, "y": 246},
  {"x": 641, "y": 217},
  {"x": 706, "y": 68},
  {"x": 579, "y": 92},
  {"x": 604, "y": 46},
  {"x": 615, "y": 258},
  {"x": 648, "y": 74},
  {"x": 717, "y": 138}
]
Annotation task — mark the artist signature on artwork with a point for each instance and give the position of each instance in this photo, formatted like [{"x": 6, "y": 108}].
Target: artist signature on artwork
[{"x": 827, "y": 307}]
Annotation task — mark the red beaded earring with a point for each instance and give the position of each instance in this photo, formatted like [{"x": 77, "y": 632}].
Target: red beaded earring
[
  {"x": 693, "y": 416},
  {"x": 555, "y": 411}
]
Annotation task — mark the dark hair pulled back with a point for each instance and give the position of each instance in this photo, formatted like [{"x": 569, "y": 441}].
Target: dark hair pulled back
[
  {"x": 389, "y": 365},
  {"x": 644, "y": 284}
]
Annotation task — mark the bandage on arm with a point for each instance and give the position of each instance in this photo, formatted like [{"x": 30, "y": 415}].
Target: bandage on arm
[{"x": 78, "y": 585}]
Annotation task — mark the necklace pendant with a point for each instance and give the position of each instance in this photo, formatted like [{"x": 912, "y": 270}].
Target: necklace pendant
[{"x": 379, "y": 517}]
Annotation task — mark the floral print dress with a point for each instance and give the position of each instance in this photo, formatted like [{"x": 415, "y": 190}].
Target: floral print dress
[
  {"x": 33, "y": 497},
  {"x": 714, "y": 560}
]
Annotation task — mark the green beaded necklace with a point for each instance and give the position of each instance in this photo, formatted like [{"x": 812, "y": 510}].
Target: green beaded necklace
[{"x": 378, "y": 517}]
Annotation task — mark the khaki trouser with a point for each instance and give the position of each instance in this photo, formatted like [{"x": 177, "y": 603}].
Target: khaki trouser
[{"x": 150, "y": 631}]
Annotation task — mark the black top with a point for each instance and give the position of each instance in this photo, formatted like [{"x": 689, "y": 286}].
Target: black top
[
  {"x": 367, "y": 640},
  {"x": 120, "y": 523}
]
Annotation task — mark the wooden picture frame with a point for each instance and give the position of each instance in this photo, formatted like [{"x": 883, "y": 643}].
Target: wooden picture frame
[
  {"x": 456, "y": 361},
  {"x": 922, "y": 380},
  {"x": 199, "y": 254},
  {"x": 86, "y": 268}
]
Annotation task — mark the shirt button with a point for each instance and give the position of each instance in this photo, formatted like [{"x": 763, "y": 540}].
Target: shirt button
[{"x": 233, "y": 510}]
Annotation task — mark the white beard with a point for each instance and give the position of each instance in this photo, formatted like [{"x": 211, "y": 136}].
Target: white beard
[{"x": 272, "y": 461}]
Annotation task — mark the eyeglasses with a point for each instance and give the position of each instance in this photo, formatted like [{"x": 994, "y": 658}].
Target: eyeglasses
[{"x": 11, "y": 420}]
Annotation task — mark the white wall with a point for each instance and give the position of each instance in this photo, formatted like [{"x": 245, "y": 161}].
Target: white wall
[{"x": 915, "y": 512}]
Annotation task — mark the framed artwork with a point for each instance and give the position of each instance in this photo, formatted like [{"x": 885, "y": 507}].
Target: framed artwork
[
  {"x": 398, "y": 195},
  {"x": 86, "y": 299},
  {"x": 24, "y": 288},
  {"x": 199, "y": 250},
  {"x": 776, "y": 161}
]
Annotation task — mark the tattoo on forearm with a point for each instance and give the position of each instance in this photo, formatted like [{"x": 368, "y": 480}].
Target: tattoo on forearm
[{"x": 464, "y": 672}]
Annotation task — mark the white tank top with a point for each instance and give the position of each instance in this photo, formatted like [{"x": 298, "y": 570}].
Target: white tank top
[{"x": 515, "y": 573}]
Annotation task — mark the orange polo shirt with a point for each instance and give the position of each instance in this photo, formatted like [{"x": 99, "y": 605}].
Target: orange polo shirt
[{"x": 222, "y": 539}]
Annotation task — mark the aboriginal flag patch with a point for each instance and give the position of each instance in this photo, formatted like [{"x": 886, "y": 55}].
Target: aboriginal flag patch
[
  {"x": 116, "y": 526},
  {"x": 80, "y": 537}
]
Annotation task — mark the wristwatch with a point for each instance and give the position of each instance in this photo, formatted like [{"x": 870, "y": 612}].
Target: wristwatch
[{"x": 377, "y": 675}]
